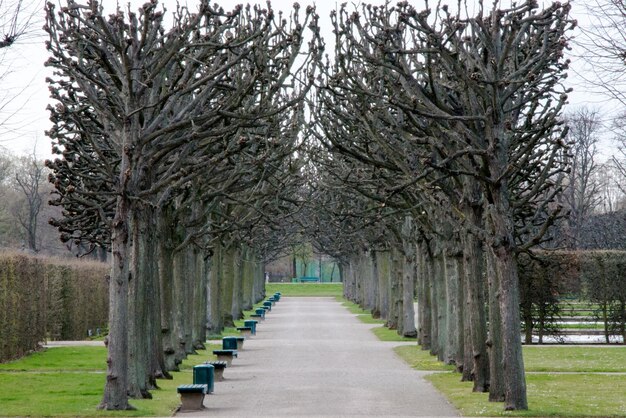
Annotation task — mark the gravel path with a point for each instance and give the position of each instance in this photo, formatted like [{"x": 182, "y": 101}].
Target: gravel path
[{"x": 311, "y": 357}]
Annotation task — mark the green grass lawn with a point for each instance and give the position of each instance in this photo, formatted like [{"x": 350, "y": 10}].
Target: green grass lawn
[
  {"x": 570, "y": 358},
  {"x": 382, "y": 332},
  {"x": 559, "y": 381},
  {"x": 304, "y": 289},
  {"x": 69, "y": 381},
  {"x": 549, "y": 395}
]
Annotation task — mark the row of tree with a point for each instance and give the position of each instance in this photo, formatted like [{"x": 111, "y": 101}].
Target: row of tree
[
  {"x": 178, "y": 151},
  {"x": 446, "y": 132},
  {"x": 437, "y": 152}
]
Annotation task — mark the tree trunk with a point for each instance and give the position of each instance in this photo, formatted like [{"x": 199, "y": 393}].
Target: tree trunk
[
  {"x": 408, "y": 292},
  {"x": 115, "y": 396},
  {"x": 249, "y": 270},
  {"x": 494, "y": 343},
  {"x": 214, "y": 322},
  {"x": 396, "y": 296},
  {"x": 384, "y": 285},
  {"x": 226, "y": 286},
  {"x": 138, "y": 336},
  {"x": 375, "y": 285},
  {"x": 454, "y": 313},
  {"x": 501, "y": 227},
  {"x": 237, "y": 277},
  {"x": 440, "y": 331},
  {"x": 475, "y": 312},
  {"x": 199, "y": 307},
  {"x": 423, "y": 299},
  {"x": 166, "y": 280}
]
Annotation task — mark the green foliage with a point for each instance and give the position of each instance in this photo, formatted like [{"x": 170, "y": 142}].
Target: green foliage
[
  {"x": 305, "y": 289},
  {"x": 48, "y": 299}
]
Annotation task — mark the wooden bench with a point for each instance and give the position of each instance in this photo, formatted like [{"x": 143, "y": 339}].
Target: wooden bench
[
  {"x": 192, "y": 396},
  {"x": 309, "y": 279},
  {"x": 219, "y": 367},
  {"x": 225, "y": 355}
]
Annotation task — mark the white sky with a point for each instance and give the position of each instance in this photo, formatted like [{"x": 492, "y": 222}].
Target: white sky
[{"x": 24, "y": 119}]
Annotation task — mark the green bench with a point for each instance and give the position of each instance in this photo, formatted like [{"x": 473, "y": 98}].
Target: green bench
[
  {"x": 245, "y": 331},
  {"x": 225, "y": 355},
  {"x": 192, "y": 396},
  {"x": 219, "y": 367}
]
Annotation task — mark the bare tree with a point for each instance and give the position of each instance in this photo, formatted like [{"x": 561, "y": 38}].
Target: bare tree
[
  {"x": 471, "y": 97},
  {"x": 581, "y": 195},
  {"x": 151, "y": 111},
  {"x": 604, "y": 46},
  {"x": 29, "y": 178}
]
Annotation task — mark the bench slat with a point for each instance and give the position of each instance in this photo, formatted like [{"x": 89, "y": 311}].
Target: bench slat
[{"x": 193, "y": 388}]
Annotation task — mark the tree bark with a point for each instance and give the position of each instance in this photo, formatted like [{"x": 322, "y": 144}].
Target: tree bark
[
  {"x": 214, "y": 322},
  {"x": 139, "y": 338},
  {"x": 382, "y": 266},
  {"x": 475, "y": 312},
  {"x": 115, "y": 396},
  {"x": 166, "y": 280},
  {"x": 494, "y": 343},
  {"x": 408, "y": 279},
  {"x": 424, "y": 299}
]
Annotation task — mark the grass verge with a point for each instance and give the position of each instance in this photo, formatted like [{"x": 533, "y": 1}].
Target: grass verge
[
  {"x": 305, "y": 289},
  {"x": 383, "y": 333},
  {"x": 549, "y": 395},
  {"x": 560, "y": 382},
  {"x": 69, "y": 381}
]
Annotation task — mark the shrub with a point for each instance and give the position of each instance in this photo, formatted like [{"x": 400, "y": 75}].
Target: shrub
[{"x": 46, "y": 298}]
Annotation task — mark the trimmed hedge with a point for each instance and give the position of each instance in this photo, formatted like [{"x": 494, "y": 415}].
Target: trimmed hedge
[
  {"x": 597, "y": 276},
  {"x": 48, "y": 299}
]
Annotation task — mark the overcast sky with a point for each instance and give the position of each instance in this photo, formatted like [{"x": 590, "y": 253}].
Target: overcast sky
[{"x": 24, "y": 96}]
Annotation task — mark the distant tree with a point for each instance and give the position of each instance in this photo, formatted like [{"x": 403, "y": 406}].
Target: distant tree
[
  {"x": 604, "y": 45},
  {"x": 612, "y": 194},
  {"x": 29, "y": 183},
  {"x": 581, "y": 195},
  {"x": 20, "y": 21}
]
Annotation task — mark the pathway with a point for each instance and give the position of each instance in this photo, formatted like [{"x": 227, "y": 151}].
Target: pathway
[{"x": 311, "y": 357}]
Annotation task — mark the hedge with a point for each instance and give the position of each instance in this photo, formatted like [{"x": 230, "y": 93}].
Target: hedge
[
  {"x": 43, "y": 299},
  {"x": 598, "y": 276}
]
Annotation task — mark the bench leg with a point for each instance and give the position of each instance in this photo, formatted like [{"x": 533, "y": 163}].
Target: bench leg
[
  {"x": 191, "y": 401},
  {"x": 219, "y": 375},
  {"x": 227, "y": 359}
]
